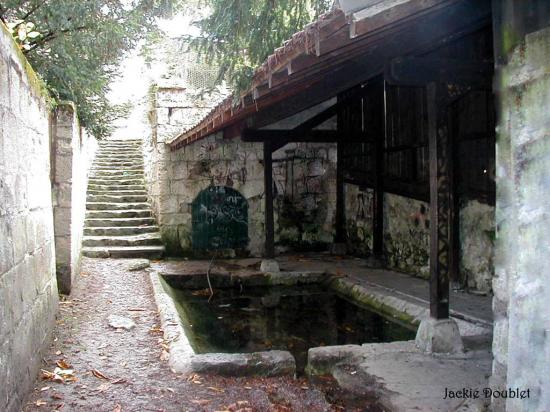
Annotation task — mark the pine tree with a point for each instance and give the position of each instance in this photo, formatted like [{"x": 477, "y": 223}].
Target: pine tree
[
  {"x": 238, "y": 35},
  {"x": 76, "y": 47}
]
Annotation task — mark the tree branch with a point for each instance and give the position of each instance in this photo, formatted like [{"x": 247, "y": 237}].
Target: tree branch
[{"x": 51, "y": 36}]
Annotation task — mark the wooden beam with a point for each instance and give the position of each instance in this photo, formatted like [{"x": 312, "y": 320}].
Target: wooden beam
[
  {"x": 292, "y": 135},
  {"x": 440, "y": 202},
  {"x": 268, "y": 185},
  {"x": 364, "y": 58},
  {"x": 419, "y": 71},
  {"x": 332, "y": 111}
]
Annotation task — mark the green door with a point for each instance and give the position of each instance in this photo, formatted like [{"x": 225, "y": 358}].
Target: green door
[{"x": 220, "y": 219}]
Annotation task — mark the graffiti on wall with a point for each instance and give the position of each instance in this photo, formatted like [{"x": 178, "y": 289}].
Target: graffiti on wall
[
  {"x": 221, "y": 168},
  {"x": 219, "y": 219},
  {"x": 301, "y": 177}
]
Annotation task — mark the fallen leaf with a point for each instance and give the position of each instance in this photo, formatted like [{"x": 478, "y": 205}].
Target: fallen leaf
[
  {"x": 50, "y": 376},
  {"x": 57, "y": 396},
  {"x": 215, "y": 389},
  {"x": 98, "y": 374},
  {"x": 63, "y": 364},
  {"x": 40, "y": 402},
  {"x": 59, "y": 406},
  {"x": 63, "y": 372},
  {"x": 136, "y": 310},
  {"x": 118, "y": 381},
  {"x": 118, "y": 408},
  {"x": 45, "y": 388}
]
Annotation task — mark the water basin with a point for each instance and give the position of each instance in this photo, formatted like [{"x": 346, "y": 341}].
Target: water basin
[{"x": 293, "y": 318}]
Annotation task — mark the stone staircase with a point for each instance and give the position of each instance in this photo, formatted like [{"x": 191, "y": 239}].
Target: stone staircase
[{"x": 119, "y": 222}]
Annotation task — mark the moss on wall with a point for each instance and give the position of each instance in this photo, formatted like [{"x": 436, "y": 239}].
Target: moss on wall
[{"x": 35, "y": 82}]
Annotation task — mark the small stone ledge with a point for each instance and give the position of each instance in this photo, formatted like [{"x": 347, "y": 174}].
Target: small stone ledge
[
  {"x": 180, "y": 350},
  {"x": 269, "y": 363},
  {"x": 321, "y": 360},
  {"x": 398, "y": 306}
]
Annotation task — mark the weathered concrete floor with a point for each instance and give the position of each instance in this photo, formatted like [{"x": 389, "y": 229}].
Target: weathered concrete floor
[
  {"x": 124, "y": 370},
  {"x": 403, "y": 379},
  {"x": 407, "y": 287}
]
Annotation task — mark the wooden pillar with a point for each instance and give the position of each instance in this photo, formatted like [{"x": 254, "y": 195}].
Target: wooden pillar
[
  {"x": 378, "y": 167},
  {"x": 268, "y": 185},
  {"x": 340, "y": 196},
  {"x": 440, "y": 201}
]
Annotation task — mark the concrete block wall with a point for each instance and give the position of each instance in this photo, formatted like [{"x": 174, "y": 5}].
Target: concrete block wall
[
  {"x": 73, "y": 151},
  {"x": 521, "y": 342},
  {"x": 28, "y": 288}
]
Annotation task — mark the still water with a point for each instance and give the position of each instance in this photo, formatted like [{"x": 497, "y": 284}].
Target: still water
[{"x": 287, "y": 318}]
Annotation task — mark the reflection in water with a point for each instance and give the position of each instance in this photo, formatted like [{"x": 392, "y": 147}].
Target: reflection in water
[{"x": 287, "y": 318}]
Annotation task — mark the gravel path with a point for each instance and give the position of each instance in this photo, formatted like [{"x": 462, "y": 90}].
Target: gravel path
[{"x": 105, "y": 369}]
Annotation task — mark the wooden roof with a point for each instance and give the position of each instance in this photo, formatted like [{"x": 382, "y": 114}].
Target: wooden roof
[{"x": 335, "y": 53}]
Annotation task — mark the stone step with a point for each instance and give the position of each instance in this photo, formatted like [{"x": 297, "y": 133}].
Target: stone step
[
  {"x": 147, "y": 239},
  {"x": 116, "y": 173},
  {"x": 114, "y": 187},
  {"x": 114, "y": 156},
  {"x": 120, "y": 146},
  {"x": 120, "y": 141},
  {"x": 117, "y": 206},
  {"x": 118, "y": 214},
  {"x": 107, "y": 182},
  {"x": 117, "y": 145},
  {"x": 104, "y": 198},
  {"x": 117, "y": 165},
  {"x": 119, "y": 222},
  {"x": 115, "y": 177},
  {"x": 119, "y": 231},
  {"x": 119, "y": 151},
  {"x": 108, "y": 192},
  {"x": 148, "y": 252},
  {"x": 119, "y": 155}
]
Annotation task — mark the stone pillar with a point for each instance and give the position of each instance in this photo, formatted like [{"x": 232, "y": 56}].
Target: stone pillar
[
  {"x": 72, "y": 153},
  {"x": 521, "y": 343}
]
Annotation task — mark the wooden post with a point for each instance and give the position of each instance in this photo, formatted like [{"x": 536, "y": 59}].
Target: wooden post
[
  {"x": 268, "y": 185},
  {"x": 340, "y": 196},
  {"x": 378, "y": 167},
  {"x": 440, "y": 201}
]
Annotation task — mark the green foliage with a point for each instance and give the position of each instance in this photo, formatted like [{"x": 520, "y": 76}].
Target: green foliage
[
  {"x": 76, "y": 47},
  {"x": 238, "y": 35}
]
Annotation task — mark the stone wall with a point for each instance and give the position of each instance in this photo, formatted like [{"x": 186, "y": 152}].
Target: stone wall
[
  {"x": 73, "y": 151},
  {"x": 407, "y": 235},
  {"x": 304, "y": 179},
  {"x": 28, "y": 289},
  {"x": 304, "y": 176},
  {"x": 521, "y": 342},
  {"x": 211, "y": 161}
]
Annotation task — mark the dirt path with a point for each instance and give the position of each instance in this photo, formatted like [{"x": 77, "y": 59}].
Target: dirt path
[{"x": 119, "y": 370}]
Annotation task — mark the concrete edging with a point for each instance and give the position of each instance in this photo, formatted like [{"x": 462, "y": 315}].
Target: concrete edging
[
  {"x": 183, "y": 359},
  {"x": 391, "y": 304}
]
